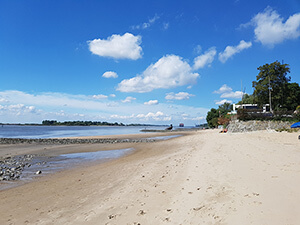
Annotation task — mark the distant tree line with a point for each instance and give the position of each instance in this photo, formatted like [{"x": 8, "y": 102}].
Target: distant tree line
[
  {"x": 79, "y": 123},
  {"x": 86, "y": 123}
]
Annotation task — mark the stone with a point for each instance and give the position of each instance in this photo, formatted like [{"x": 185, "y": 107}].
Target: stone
[{"x": 253, "y": 125}]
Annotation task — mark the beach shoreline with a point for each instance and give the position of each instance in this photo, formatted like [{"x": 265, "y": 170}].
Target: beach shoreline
[{"x": 201, "y": 178}]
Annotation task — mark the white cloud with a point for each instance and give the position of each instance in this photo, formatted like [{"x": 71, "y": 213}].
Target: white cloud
[
  {"x": 3, "y": 100},
  {"x": 198, "y": 118},
  {"x": 112, "y": 95},
  {"x": 151, "y": 102},
  {"x": 221, "y": 102},
  {"x": 22, "y": 107},
  {"x": 168, "y": 72},
  {"x": 15, "y": 111},
  {"x": 99, "y": 96},
  {"x": 236, "y": 94},
  {"x": 128, "y": 99},
  {"x": 117, "y": 47},
  {"x": 110, "y": 74},
  {"x": 116, "y": 116},
  {"x": 232, "y": 50},
  {"x": 206, "y": 59},
  {"x": 158, "y": 116},
  {"x": 178, "y": 96},
  {"x": 227, "y": 92},
  {"x": 19, "y": 108},
  {"x": 166, "y": 26},
  {"x": 147, "y": 24},
  {"x": 150, "y": 116},
  {"x": 223, "y": 89},
  {"x": 198, "y": 49},
  {"x": 271, "y": 29},
  {"x": 112, "y": 104},
  {"x": 56, "y": 100}
]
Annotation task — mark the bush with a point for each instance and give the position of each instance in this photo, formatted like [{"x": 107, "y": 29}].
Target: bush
[{"x": 290, "y": 130}]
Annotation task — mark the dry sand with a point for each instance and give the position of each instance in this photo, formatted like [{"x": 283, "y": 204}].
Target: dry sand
[{"x": 202, "y": 178}]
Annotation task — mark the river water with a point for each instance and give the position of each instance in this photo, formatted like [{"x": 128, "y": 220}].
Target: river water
[
  {"x": 50, "y": 165},
  {"x": 16, "y": 131}
]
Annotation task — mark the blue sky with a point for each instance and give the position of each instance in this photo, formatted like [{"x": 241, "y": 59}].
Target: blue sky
[{"x": 157, "y": 62}]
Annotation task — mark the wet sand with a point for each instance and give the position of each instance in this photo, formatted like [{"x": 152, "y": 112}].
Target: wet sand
[{"x": 201, "y": 178}]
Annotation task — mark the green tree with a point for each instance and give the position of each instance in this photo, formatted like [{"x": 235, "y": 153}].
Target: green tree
[
  {"x": 214, "y": 114},
  {"x": 49, "y": 122},
  {"x": 273, "y": 76},
  {"x": 225, "y": 108},
  {"x": 247, "y": 99},
  {"x": 292, "y": 96}
]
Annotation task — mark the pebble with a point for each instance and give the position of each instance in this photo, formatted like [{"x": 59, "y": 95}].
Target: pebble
[{"x": 11, "y": 168}]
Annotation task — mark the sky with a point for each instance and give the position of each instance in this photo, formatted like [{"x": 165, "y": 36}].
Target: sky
[{"x": 150, "y": 62}]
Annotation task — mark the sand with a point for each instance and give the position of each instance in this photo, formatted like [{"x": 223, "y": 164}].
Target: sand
[{"x": 202, "y": 178}]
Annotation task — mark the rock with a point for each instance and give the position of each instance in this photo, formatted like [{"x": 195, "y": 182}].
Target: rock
[
  {"x": 253, "y": 125},
  {"x": 11, "y": 168}
]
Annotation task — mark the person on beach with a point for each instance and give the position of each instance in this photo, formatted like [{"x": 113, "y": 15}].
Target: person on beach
[{"x": 170, "y": 127}]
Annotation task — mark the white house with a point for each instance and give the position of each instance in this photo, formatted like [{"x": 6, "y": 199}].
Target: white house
[{"x": 265, "y": 109}]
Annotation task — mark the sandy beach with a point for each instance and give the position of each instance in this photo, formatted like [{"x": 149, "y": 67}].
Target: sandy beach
[{"x": 204, "y": 177}]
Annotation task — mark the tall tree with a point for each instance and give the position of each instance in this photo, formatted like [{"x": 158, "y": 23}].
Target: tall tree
[
  {"x": 273, "y": 76},
  {"x": 213, "y": 115},
  {"x": 292, "y": 96},
  {"x": 247, "y": 99},
  {"x": 225, "y": 108},
  {"x": 210, "y": 118}
]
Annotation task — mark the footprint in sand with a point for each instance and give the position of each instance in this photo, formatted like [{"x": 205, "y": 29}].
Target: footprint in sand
[
  {"x": 141, "y": 212},
  {"x": 198, "y": 208}
]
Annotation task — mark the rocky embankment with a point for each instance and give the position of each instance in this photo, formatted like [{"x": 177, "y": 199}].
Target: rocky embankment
[
  {"x": 253, "y": 125},
  {"x": 64, "y": 141}
]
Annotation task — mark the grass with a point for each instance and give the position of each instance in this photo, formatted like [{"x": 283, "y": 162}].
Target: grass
[{"x": 289, "y": 130}]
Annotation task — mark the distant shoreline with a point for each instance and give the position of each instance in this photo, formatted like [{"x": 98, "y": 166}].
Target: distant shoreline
[{"x": 62, "y": 125}]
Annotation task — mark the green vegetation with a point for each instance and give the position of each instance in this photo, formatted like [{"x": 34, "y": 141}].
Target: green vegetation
[
  {"x": 274, "y": 76},
  {"x": 247, "y": 99},
  {"x": 218, "y": 116},
  {"x": 290, "y": 130},
  {"x": 86, "y": 123},
  {"x": 272, "y": 83},
  {"x": 78, "y": 123}
]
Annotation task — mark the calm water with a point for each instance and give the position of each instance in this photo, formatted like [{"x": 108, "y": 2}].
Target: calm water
[
  {"x": 14, "y": 131},
  {"x": 53, "y": 164},
  {"x": 49, "y": 165}
]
